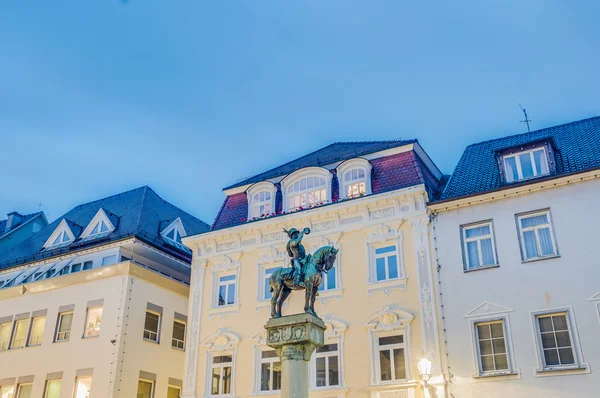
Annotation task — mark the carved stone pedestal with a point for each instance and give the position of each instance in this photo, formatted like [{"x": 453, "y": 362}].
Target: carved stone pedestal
[{"x": 295, "y": 338}]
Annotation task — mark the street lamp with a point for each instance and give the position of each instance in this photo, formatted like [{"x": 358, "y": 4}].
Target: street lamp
[{"x": 424, "y": 366}]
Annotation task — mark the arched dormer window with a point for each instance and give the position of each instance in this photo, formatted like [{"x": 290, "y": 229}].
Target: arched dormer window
[
  {"x": 261, "y": 199},
  {"x": 305, "y": 188},
  {"x": 354, "y": 177}
]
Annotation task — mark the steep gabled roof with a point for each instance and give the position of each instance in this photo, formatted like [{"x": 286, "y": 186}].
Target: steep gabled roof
[
  {"x": 139, "y": 211},
  {"x": 24, "y": 219},
  {"x": 577, "y": 149},
  {"x": 335, "y": 152}
]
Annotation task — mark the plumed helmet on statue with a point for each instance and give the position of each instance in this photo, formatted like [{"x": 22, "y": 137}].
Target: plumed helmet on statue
[{"x": 290, "y": 232}]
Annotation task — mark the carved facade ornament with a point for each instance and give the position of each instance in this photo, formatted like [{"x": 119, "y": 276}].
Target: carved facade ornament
[
  {"x": 271, "y": 255},
  {"x": 225, "y": 246},
  {"x": 221, "y": 340},
  {"x": 272, "y": 237},
  {"x": 394, "y": 394},
  {"x": 389, "y": 318},
  {"x": 420, "y": 226},
  {"x": 381, "y": 213},
  {"x": 383, "y": 233},
  {"x": 227, "y": 263},
  {"x": 335, "y": 327},
  {"x": 260, "y": 337},
  {"x": 323, "y": 225}
]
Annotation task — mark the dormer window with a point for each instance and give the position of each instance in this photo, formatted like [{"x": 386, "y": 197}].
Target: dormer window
[
  {"x": 261, "y": 200},
  {"x": 355, "y": 178},
  {"x": 526, "y": 164},
  {"x": 100, "y": 226},
  {"x": 173, "y": 233},
  {"x": 61, "y": 237},
  {"x": 306, "y": 188}
]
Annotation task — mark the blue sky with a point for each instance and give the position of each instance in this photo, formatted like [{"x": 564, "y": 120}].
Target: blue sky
[{"x": 103, "y": 96}]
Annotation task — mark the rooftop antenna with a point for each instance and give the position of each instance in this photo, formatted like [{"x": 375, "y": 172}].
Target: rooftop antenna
[{"x": 527, "y": 119}]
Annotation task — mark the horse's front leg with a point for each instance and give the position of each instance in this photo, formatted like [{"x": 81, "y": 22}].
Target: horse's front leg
[
  {"x": 308, "y": 290},
  {"x": 313, "y": 296},
  {"x": 274, "y": 299}
]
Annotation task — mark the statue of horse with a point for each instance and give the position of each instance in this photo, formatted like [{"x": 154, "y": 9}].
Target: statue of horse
[{"x": 281, "y": 285}]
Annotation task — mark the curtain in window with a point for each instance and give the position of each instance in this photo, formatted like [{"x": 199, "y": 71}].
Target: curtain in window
[
  {"x": 511, "y": 169},
  {"x": 545, "y": 241},
  {"x": 479, "y": 231},
  {"x": 473, "y": 253},
  {"x": 541, "y": 163},
  {"x": 534, "y": 221},
  {"x": 530, "y": 244},
  {"x": 487, "y": 252}
]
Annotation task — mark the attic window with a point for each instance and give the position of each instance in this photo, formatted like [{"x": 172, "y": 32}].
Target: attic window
[
  {"x": 261, "y": 200},
  {"x": 173, "y": 234},
  {"x": 526, "y": 162},
  {"x": 99, "y": 228},
  {"x": 306, "y": 188},
  {"x": 61, "y": 238}
]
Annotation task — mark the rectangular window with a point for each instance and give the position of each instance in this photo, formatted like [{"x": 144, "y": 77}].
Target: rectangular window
[
  {"x": 75, "y": 267},
  {"x": 267, "y": 272},
  {"x": 88, "y": 265},
  {"x": 327, "y": 366},
  {"x": 270, "y": 371},
  {"x": 537, "y": 237},
  {"x": 173, "y": 392},
  {"x": 386, "y": 263},
  {"x": 145, "y": 389},
  {"x": 37, "y": 330},
  {"x": 92, "y": 323},
  {"x": 52, "y": 389},
  {"x": 491, "y": 347},
  {"x": 178, "y": 340},
  {"x": 226, "y": 290},
  {"x": 151, "y": 326},
  {"x": 556, "y": 340},
  {"x": 63, "y": 331},
  {"x": 7, "y": 391},
  {"x": 24, "y": 390},
  {"x": 526, "y": 164},
  {"x": 221, "y": 375},
  {"x": 391, "y": 358},
  {"x": 108, "y": 260},
  {"x": 329, "y": 280},
  {"x": 19, "y": 334},
  {"x": 83, "y": 387},
  {"x": 5, "y": 330},
  {"x": 478, "y": 245}
]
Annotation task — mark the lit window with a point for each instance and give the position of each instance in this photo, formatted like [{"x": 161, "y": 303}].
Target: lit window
[
  {"x": 37, "y": 330},
  {"x": 478, "y": 245},
  {"x": 52, "y": 389},
  {"x": 24, "y": 390},
  {"x": 554, "y": 334},
  {"x": 5, "y": 329},
  {"x": 19, "y": 334},
  {"x": 386, "y": 263},
  {"x": 145, "y": 389},
  {"x": 355, "y": 183},
  {"x": 526, "y": 164},
  {"x": 221, "y": 369},
  {"x": 92, "y": 325},
  {"x": 267, "y": 272},
  {"x": 84, "y": 387},
  {"x": 173, "y": 392},
  {"x": 178, "y": 340},
  {"x": 226, "y": 290},
  {"x": 261, "y": 204},
  {"x": 327, "y": 366},
  {"x": 491, "y": 347},
  {"x": 63, "y": 332},
  {"x": 392, "y": 360},
  {"x": 7, "y": 391},
  {"x": 305, "y": 192},
  {"x": 270, "y": 371},
  {"x": 537, "y": 240},
  {"x": 151, "y": 326}
]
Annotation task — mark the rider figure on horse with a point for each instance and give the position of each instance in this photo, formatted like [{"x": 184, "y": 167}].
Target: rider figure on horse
[{"x": 296, "y": 251}]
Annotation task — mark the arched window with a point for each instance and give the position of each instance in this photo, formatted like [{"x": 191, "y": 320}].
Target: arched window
[
  {"x": 355, "y": 178},
  {"x": 261, "y": 200},
  {"x": 305, "y": 188}
]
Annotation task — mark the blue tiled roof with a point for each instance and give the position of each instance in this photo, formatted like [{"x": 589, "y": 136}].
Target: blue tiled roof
[
  {"x": 140, "y": 213},
  {"x": 577, "y": 147},
  {"x": 23, "y": 220},
  {"x": 330, "y": 154}
]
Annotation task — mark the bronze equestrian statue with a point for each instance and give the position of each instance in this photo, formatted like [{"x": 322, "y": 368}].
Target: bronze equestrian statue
[{"x": 305, "y": 273}]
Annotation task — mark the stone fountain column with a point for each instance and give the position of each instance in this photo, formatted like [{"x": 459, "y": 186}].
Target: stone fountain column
[{"x": 295, "y": 338}]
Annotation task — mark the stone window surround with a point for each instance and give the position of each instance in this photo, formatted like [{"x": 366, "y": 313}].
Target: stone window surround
[
  {"x": 350, "y": 164},
  {"x": 257, "y": 188},
  {"x": 380, "y": 236},
  {"x": 221, "y": 342},
  {"x": 290, "y": 179},
  {"x": 226, "y": 265}
]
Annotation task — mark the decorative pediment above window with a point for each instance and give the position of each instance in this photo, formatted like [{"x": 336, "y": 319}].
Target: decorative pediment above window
[
  {"x": 227, "y": 263},
  {"x": 260, "y": 337},
  {"x": 595, "y": 297},
  {"x": 221, "y": 340},
  {"x": 335, "y": 327},
  {"x": 382, "y": 233},
  {"x": 101, "y": 225},
  {"x": 173, "y": 233},
  {"x": 389, "y": 318},
  {"x": 354, "y": 177},
  {"x": 306, "y": 188},
  {"x": 261, "y": 200},
  {"x": 62, "y": 236},
  {"x": 270, "y": 255},
  {"x": 487, "y": 308}
]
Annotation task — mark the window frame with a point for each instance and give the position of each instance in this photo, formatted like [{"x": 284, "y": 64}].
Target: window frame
[
  {"x": 182, "y": 348},
  {"x": 78, "y": 378},
  {"x": 262, "y": 293},
  {"x": 178, "y": 388},
  {"x": 377, "y": 350},
  {"x": 257, "y": 188},
  {"x": 87, "y": 317},
  {"x": 507, "y": 345},
  {"x": 346, "y": 167},
  {"x": 30, "y": 334},
  {"x": 227, "y": 284},
  {"x": 313, "y": 366},
  {"x": 58, "y": 324},
  {"x": 465, "y": 240},
  {"x": 376, "y": 256},
  {"x": 16, "y": 324},
  {"x": 47, "y": 384},
  {"x": 8, "y": 386},
  {"x": 10, "y": 328},
  {"x": 517, "y": 156},
  {"x": 520, "y": 232},
  {"x": 152, "y": 385},
  {"x": 158, "y": 327},
  {"x": 288, "y": 182},
  {"x": 259, "y": 361},
  {"x": 221, "y": 365},
  {"x": 578, "y": 364},
  {"x": 19, "y": 386}
]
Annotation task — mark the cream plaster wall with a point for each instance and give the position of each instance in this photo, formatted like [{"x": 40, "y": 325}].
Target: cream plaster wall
[{"x": 568, "y": 280}]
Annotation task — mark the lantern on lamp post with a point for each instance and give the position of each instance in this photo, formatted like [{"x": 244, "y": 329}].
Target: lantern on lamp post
[{"x": 424, "y": 366}]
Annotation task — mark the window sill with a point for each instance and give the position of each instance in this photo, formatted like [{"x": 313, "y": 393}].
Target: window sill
[
  {"x": 334, "y": 294},
  {"x": 533, "y": 260},
  {"x": 562, "y": 371},
  {"x": 497, "y": 376},
  {"x": 60, "y": 341},
  {"x": 223, "y": 311},
  {"x": 481, "y": 268},
  {"x": 266, "y": 393},
  {"x": 152, "y": 341},
  {"x": 90, "y": 337},
  {"x": 387, "y": 286},
  {"x": 178, "y": 349}
]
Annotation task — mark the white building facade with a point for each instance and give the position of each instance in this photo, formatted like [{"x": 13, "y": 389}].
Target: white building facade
[{"x": 517, "y": 255}]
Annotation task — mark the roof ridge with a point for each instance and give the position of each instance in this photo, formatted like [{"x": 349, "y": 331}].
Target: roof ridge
[
  {"x": 532, "y": 132},
  {"x": 139, "y": 218},
  {"x": 111, "y": 196}
]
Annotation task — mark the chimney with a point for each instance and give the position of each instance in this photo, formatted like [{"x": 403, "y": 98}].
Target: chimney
[{"x": 14, "y": 218}]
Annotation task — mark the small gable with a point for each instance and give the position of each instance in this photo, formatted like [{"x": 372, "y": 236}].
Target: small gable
[
  {"x": 62, "y": 236},
  {"x": 487, "y": 308},
  {"x": 100, "y": 226},
  {"x": 173, "y": 233}
]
